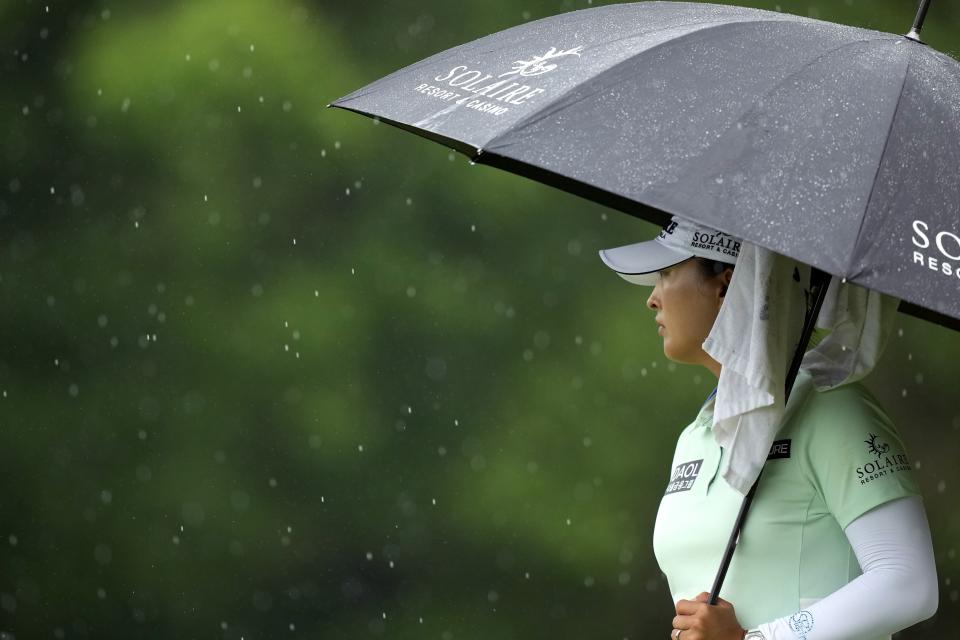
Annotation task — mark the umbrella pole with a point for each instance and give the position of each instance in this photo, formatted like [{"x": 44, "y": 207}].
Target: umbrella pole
[{"x": 819, "y": 282}]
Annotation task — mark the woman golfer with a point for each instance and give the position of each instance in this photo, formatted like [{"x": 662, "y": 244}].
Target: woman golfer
[{"x": 836, "y": 545}]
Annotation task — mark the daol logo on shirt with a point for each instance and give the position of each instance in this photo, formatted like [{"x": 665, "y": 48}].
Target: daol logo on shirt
[
  {"x": 884, "y": 462},
  {"x": 683, "y": 477}
]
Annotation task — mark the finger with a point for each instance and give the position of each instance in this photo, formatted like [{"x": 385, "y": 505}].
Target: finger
[
  {"x": 682, "y": 622},
  {"x": 689, "y": 607},
  {"x": 704, "y": 597},
  {"x": 685, "y": 633}
]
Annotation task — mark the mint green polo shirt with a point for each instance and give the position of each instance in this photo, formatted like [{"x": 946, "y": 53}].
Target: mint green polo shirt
[{"x": 836, "y": 457}]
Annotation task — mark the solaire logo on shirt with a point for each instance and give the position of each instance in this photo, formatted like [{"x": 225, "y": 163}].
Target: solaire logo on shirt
[
  {"x": 683, "y": 477},
  {"x": 884, "y": 463}
]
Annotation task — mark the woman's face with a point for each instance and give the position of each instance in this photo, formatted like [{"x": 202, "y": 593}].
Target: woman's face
[{"x": 687, "y": 303}]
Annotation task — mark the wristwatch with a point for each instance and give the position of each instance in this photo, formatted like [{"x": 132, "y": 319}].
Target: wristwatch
[{"x": 754, "y": 634}]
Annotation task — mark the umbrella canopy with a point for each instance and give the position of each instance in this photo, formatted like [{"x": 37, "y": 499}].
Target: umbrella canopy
[{"x": 833, "y": 145}]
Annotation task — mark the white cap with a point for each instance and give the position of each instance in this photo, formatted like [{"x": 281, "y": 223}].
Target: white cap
[{"x": 678, "y": 241}]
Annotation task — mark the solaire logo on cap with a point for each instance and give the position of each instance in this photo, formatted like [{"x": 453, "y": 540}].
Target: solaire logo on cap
[{"x": 716, "y": 241}]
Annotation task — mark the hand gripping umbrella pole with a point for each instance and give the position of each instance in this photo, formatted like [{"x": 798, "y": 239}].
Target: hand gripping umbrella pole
[{"x": 819, "y": 282}]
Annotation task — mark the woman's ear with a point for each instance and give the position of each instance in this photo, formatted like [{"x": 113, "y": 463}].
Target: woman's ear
[{"x": 725, "y": 279}]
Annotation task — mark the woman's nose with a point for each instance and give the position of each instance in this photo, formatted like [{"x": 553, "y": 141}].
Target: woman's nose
[{"x": 653, "y": 301}]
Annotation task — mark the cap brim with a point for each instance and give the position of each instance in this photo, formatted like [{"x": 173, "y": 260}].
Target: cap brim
[{"x": 639, "y": 263}]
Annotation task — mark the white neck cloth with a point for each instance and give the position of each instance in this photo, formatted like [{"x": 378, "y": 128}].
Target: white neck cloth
[{"x": 754, "y": 338}]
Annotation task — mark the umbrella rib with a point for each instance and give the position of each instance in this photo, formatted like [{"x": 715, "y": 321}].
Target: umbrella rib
[
  {"x": 883, "y": 152},
  {"x": 556, "y": 105},
  {"x": 559, "y": 104}
]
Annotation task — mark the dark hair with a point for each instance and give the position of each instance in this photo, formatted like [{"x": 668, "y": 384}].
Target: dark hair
[{"x": 712, "y": 268}]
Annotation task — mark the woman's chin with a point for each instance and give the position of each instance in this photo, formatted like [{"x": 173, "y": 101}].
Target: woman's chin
[{"x": 678, "y": 356}]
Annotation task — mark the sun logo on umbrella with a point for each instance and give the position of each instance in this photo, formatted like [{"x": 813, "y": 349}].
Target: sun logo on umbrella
[
  {"x": 875, "y": 447},
  {"x": 535, "y": 66}
]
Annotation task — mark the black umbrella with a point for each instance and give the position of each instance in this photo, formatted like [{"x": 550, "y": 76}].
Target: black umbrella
[{"x": 832, "y": 145}]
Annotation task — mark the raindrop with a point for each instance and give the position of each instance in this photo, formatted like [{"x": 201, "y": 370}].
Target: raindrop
[
  {"x": 409, "y": 201},
  {"x": 473, "y": 227}
]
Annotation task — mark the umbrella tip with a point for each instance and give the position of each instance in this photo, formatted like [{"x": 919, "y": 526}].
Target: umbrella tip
[{"x": 914, "y": 33}]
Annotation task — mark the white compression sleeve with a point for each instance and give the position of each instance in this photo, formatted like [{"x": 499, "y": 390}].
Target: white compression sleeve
[{"x": 898, "y": 587}]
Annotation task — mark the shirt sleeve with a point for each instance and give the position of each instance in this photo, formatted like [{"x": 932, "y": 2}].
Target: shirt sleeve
[
  {"x": 852, "y": 453},
  {"x": 898, "y": 587}
]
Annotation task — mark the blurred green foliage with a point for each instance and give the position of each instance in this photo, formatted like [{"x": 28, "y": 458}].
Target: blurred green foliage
[{"x": 270, "y": 370}]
